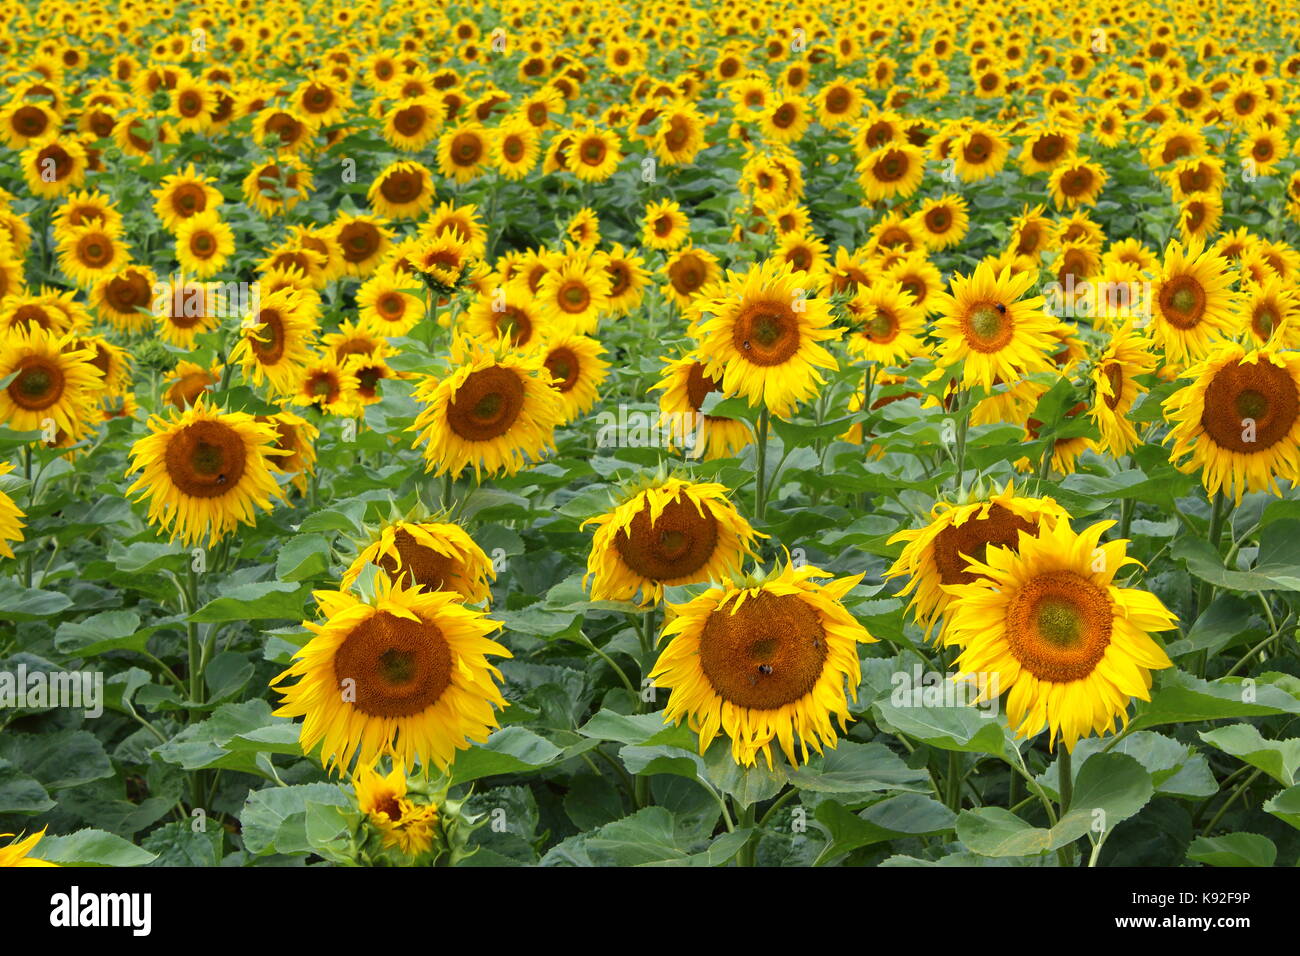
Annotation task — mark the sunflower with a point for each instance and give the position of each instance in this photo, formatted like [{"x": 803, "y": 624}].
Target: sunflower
[
  {"x": 54, "y": 166},
  {"x": 665, "y": 226},
  {"x": 805, "y": 253},
  {"x": 919, "y": 279},
  {"x": 786, "y": 119},
  {"x": 369, "y": 371},
  {"x": 50, "y": 380},
  {"x": 627, "y": 276},
  {"x": 464, "y": 221},
  {"x": 114, "y": 363},
  {"x": 1270, "y": 309},
  {"x": 363, "y": 242},
  {"x": 184, "y": 309},
  {"x": 1069, "y": 647},
  {"x": 403, "y": 190},
  {"x": 89, "y": 253},
  {"x": 436, "y": 555},
  {"x": 936, "y": 555},
  {"x": 411, "y": 124},
  {"x": 1076, "y": 182},
  {"x": 1238, "y": 420},
  {"x": 1046, "y": 148},
  {"x": 515, "y": 149},
  {"x": 276, "y": 186},
  {"x": 85, "y": 208},
  {"x": 892, "y": 324},
  {"x": 124, "y": 298},
  {"x": 764, "y": 661},
  {"x": 403, "y": 672},
  {"x": 574, "y": 295},
  {"x": 943, "y": 221},
  {"x": 494, "y": 411},
  {"x": 463, "y": 152},
  {"x": 1032, "y": 233},
  {"x": 24, "y": 121},
  {"x": 11, "y": 529},
  {"x": 839, "y": 102},
  {"x": 978, "y": 152},
  {"x": 1193, "y": 302},
  {"x": 276, "y": 342},
  {"x": 690, "y": 271},
  {"x": 671, "y": 532},
  {"x": 204, "y": 243},
  {"x": 204, "y": 471},
  {"x": 894, "y": 171},
  {"x": 595, "y": 155},
  {"x": 991, "y": 330},
  {"x": 18, "y": 852},
  {"x": 1114, "y": 377},
  {"x": 577, "y": 371},
  {"x": 685, "y": 386},
  {"x": 296, "y": 442},
  {"x": 679, "y": 134},
  {"x": 187, "y": 381},
  {"x": 403, "y": 824},
  {"x": 327, "y": 386},
  {"x": 584, "y": 229},
  {"x": 763, "y": 337}
]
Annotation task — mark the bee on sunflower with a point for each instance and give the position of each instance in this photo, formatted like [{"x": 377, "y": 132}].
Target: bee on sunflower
[
  {"x": 764, "y": 660},
  {"x": 991, "y": 330}
]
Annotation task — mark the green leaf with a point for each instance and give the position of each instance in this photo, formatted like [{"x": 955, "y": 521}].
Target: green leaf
[
  {"x": 106, "y": 631},
  {"x": 18, "y": 603},
  {"x": 1182, "y": 698},
  {"x": 91, "y": 848},
  {"x": 1286, "y": 806},
  {"x": 20, "y": 792},
  {"x": 259, "y": 601},
  {"x": 1278, "y": 567},
  {"x": 509, "y": 750},
  {"x": 1109, "y": 788},
  {"x": 274, "y": 819},
  {"x": 908, "y": 814},
  {"x": 1233, "y": 849},
  {"x": 303, "y": 556},
  {"x": 963, "y": 728},
  {"x": 859, "y": 768},
  {"x": 1278, "y": 758}
]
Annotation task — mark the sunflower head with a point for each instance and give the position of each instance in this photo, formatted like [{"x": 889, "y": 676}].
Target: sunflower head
[
  {"x": 398, "y": 671},
  {"x": 1067, "y": 645},
  {"x": 669, "y": 532},
  {"x": 764, "y": 661}
]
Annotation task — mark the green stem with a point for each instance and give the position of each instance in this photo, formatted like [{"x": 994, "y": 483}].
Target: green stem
[
  {"x": 1232, "y": 798},
  {"x": 1066, "y": 780},
  {"x": 954, "y": 781},
  {"x": 760, "y": 459},
  {"x": 745, "y": 820},
  {"x": 1065, "y": 786}
]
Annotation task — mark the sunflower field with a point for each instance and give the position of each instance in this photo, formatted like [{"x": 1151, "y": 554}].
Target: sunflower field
[{"x": 716, "y": 433}]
